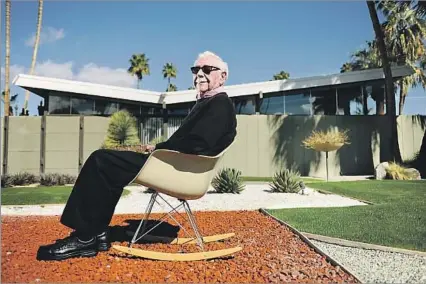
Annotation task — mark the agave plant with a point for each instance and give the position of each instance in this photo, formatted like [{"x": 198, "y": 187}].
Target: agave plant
[
  {"x": 287, "y": 181},
  {"x": 122, "y": 130},
  {"x": 228, "y": 181}
]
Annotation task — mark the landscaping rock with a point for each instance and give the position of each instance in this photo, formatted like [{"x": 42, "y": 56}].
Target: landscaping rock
[
  {"x": 271, "y": 253},
  {"x": 380, "y": 171}
]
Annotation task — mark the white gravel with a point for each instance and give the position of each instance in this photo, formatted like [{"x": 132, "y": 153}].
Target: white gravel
[
  {"x": 255, "y": 196},
  {"x": 376, "y": 266}
]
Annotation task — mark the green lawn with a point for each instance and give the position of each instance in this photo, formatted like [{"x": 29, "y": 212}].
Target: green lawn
[
  {"x": 397, "y": 218},
  {"x": 37, "y": 195}
]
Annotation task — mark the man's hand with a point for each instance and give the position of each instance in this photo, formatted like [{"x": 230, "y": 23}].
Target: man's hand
[{"x": 150, "y": 148}]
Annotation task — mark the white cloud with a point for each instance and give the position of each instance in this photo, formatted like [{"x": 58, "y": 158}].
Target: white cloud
[
  {"x": 88, "y": 73},
  {"x": 47, "y": 35},
  {"x": 105, "y": 75}
]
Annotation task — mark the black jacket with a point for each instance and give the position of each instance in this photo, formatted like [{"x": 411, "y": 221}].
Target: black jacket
[{"x": 208, "y": 129}]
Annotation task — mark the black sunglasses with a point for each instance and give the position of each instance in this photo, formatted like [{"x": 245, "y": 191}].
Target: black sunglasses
[{"x": 206, "y": 69}]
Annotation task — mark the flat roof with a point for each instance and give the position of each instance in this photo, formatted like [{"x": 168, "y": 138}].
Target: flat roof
[{"x": 39, "y": 84}]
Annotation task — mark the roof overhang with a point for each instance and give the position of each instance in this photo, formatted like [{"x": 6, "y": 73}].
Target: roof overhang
[{"x": 38, "y": 83}]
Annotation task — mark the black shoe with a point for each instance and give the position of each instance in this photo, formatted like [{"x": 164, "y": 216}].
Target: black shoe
[
  {"x": 103, "y": 241},
  {"x": 66, "y": 248}
]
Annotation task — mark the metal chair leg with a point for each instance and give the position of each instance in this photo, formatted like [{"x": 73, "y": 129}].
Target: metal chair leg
[
  {"x": 144, "y": 220},
  {"x": 194, "y": 224}
]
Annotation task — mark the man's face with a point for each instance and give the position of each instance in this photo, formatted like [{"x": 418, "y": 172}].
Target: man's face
[{"x": 210, "y": 77}]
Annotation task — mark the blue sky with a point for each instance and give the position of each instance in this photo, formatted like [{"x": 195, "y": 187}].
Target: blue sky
[{"x": 93, "y": 41}]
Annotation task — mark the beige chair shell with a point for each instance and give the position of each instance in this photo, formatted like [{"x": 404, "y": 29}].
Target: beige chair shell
[{"x": 183, "y": 176}]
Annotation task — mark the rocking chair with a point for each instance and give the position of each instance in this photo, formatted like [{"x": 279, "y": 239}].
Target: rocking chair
[{"x": 185, "y": 177}]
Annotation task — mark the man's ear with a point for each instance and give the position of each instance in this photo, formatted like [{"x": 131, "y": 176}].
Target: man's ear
[{"x": 223, "y": 77}]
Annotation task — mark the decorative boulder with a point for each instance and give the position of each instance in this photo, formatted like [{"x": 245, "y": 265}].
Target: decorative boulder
[{"x": 380, "y": 171}]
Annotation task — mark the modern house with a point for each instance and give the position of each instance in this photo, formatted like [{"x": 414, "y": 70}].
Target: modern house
[{"x": 351, "y": 93}]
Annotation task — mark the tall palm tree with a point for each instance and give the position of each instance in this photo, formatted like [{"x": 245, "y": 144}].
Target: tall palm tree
[
  {"x": 169, "y": 71},
  {"x": 139, "y": 66},
  {"x": 405, "y": 31},
  {"x": 37, "y": 40},
  {"x": 281, "y": 76},
  {"x": 12, "y": 99},
  {"x": 390, "y": 93},
  {"x": 346, "y": 67},
  {"x": 171, "y": 88},
  {"x": 7, "y": 63}
]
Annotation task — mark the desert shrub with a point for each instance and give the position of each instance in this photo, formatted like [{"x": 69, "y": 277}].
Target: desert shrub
[
  {"x": 399, "y": 172},
  {"x": 319, "y": 137},
  {"x": 228, "y": 181},
  {"x": 6, "y": 181},
  {"x": 51, "y": 179},
  {"x": 287, "y": 181},
  {"x": 122, "y": 131},
  {"x": 23, "y": 178}
]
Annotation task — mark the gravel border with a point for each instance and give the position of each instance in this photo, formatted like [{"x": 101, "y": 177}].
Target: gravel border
[{"x": 377, "y": 266}]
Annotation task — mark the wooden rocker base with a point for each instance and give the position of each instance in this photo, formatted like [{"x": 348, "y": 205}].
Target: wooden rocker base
[
  {"x": 181, "y": 241},
  {"x": 177, "y": 256}
]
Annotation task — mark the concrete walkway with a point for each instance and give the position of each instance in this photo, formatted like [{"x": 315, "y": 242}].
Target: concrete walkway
[{"x": 255, "y": 196}]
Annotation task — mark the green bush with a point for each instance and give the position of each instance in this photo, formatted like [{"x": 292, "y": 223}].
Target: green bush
[
  {"x": 51, "y": 179},
  {"x": 6, "y": 181},
  {"x": 228, "y": 181},
  {"x": 23, "y": 178},
  {"x": 122, "y": 131},
  {"x": 287, "y": 181}
]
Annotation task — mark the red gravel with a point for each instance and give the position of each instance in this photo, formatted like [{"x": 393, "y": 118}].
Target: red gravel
[{"x": 271, "y": 253}]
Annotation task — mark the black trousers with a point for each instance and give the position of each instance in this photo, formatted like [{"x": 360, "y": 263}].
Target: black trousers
[{"x": 98, "y": 188}]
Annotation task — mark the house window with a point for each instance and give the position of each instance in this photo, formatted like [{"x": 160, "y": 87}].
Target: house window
[
  {"x": 297, "y": 103},
  {"x": 272, "y": 103},
  {"x": 133, "y": 109},
  {"x": 59, "y": 104},
  {"x": 323, "y": 101},
  {"x": 82, "y": 106},
  {"x": 244, "y": 104},
  {"x": 104, "y": 107}
]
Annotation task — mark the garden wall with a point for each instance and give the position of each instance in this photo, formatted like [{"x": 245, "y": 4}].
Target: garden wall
[{"x": 264, "y": 145}]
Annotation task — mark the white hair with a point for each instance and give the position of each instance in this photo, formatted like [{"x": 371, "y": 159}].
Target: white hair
[{"x": 222, "y": 64}]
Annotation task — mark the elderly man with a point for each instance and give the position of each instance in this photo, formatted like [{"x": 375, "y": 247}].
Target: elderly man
[{"x": 208, "y": 129}]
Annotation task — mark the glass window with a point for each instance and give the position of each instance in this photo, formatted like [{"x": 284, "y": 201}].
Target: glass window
[
  {"x": 134, "y": 109},
  {"x": 297, "y": 103},
  {"x": 104, "y": 107},
  {"x": 181, "y": 109},
  {"x": 323, "y": 101},
  {"x": 59, "y": 104},
  {"x": 244, "y": 104},
  {"x": 272, "y": 103},
  {"x": 375, "y": 93},
  {"x": 147, "y": 110},
  {"x": 351, "y": 100},
  {"x": 82, "y": 106}
]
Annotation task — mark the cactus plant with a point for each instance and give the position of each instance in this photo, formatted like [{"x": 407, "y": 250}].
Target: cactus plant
[
  {"x": 228, "y": 181},
  {"x": 287, "y": 181}
]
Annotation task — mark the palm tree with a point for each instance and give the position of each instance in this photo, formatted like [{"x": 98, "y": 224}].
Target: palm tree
[
  {"x": 171, "y": 88},
  {"x": 390, "y": 93},
  {"x": 281, "y": 76},
  {"x": 11, "y": 100},
  {"x": 405, "y": 30},
  {"x": 37, "y": 40},
  {"x": 7, "y": 63},
  {"x": 346, "y": 67},
  {"x": 169, "y": 71},
  {"x": 139, "y": 66}
]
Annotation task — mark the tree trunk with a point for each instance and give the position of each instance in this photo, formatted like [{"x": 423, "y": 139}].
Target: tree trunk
[
  {"x": 402, "y": 95},
  {"x": 390, "y": 93},
  {"x": 7, "y": 63},
  {"x": 37, "y": 40}
]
